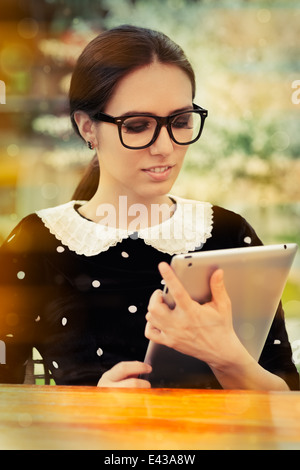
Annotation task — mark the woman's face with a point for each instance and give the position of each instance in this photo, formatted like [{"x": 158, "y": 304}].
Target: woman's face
[{"x": 149, "y": 173}]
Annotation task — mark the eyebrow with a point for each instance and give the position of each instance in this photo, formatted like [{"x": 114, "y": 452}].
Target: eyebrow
[{"x": 143, "y": 113}]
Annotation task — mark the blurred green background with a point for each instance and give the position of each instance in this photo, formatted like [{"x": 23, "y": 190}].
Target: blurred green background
[{"x": 246, "y": 55}]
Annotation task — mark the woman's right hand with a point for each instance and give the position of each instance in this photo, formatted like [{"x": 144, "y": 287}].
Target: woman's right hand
[{"x": 126, "y": 374}]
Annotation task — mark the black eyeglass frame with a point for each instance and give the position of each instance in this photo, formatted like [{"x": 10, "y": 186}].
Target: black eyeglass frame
[{"x": 160, "y": 122}]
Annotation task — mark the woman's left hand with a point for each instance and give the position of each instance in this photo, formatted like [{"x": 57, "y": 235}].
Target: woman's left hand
[{"x": 202, "y": 331}]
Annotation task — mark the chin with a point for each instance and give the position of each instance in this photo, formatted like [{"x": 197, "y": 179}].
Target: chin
[{"x": 159, "y": 190}]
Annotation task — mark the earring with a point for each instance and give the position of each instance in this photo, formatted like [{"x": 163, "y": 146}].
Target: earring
[{"x": 90, "y": 145}]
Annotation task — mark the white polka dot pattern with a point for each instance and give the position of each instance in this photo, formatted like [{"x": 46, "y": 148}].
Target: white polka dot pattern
[{"x": 132, "y": 309}]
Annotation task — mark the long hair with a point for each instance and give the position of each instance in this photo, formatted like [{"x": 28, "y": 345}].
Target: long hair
[{"x": 103, "y": 63}]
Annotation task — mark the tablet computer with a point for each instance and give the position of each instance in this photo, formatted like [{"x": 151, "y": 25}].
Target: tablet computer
[{"x": 254, "y": 277}]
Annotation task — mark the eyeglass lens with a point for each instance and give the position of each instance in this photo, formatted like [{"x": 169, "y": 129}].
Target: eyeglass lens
[{"x": 139, "y": 130}]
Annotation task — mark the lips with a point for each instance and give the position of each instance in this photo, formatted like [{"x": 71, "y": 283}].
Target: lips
[
  {"x": 158, "y": 169},
  {"x": 159, "y": 173}
]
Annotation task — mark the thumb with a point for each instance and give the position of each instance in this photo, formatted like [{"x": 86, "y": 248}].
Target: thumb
[{"x": 219, "y": 294}]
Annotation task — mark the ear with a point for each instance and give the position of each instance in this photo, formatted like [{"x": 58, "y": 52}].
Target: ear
[{"x": 85, "y": 126}]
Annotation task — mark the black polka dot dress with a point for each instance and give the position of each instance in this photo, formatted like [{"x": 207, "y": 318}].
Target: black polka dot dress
[{"x": 78, "y": 291}]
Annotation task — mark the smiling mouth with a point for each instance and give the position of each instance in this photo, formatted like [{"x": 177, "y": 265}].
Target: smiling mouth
[{"x": 158, "y": 169}]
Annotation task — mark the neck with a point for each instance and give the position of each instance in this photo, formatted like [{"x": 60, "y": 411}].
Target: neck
[{"x": 125, "y": 212}]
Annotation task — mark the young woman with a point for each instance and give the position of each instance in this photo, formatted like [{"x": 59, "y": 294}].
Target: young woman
[{"x": 82, "y": 282}]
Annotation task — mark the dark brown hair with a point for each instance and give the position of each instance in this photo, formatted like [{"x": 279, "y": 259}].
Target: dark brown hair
[{"x": 100, "y": 67}]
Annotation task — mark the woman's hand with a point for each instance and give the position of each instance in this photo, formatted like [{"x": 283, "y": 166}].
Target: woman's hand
[
  {"x": 125, "y": 374},
  {"x": 202, "y": 331},
  {"x": 206, "y": 333}
]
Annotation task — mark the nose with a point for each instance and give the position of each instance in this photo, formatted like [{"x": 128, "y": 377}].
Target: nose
[{"x": 163, "y": 144}]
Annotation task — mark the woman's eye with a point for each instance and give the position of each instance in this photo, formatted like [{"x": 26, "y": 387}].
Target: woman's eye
[
  {"x": 182, "y": 123},
  {"x": 136, "y": 127}
]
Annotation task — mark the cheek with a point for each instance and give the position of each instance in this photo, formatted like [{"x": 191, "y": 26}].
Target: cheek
[
  {"x": 116, "y": 159},
  {"x": 181, "y": 154},
  {"x": 110, "y": 149},
  {"x": 106, "y": 134}
]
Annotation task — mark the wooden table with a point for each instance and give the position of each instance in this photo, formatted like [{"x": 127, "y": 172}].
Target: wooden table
[{"x": 54, "y": 417}]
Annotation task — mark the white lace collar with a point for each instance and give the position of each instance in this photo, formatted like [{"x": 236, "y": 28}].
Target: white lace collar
[{"x": 188, "y": 228}]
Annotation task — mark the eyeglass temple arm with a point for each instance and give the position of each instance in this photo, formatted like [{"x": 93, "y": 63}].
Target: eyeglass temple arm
[
  {"x": 204, "y": 111},
  {"x": 104, "y": 117}
]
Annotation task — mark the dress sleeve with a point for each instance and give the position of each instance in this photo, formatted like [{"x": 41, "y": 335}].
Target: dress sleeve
[
  {"x": 276, "y": 356},
  {"x": 19, "y": 301}
]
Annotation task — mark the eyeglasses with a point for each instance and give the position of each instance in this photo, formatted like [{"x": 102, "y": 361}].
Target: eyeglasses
[{"x": 139, "y": 131}]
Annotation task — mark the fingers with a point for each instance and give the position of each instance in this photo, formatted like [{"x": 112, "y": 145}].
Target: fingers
[
  {"x": 133, "y": 383},
  {"x": 158, "y": 315},
  {"x": 219, "y": 293},
  {"x": 178, "y": 292},
  {"x": 156, "y": 299},
  {"x": 124, "y": 370},
  {"x": 153, "y": 333},
  {"x": 181, "y": 296},
  {"x": 156, "y": 305},
  {"x": 125, "y": 374}
]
